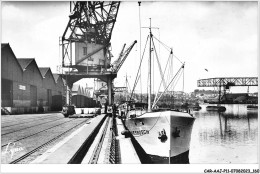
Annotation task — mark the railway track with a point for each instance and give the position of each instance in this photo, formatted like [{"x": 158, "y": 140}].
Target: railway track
[
  {"x": 45, "y": 144},
  {"x": 105, "y": 148},
  {"x": 101, "y": 147},
  {"x": 113, "y": 155},
  {"x": 95, "y": 156},
  {"x": 38, "y": 132},
  {"x": 10, "y": 120},
  {"x": 31, "y": 126},
  {"x": 20, "y": 123}
]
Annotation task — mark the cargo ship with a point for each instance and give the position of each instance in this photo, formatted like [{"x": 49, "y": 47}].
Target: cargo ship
[{"x": 163, "y": 134}]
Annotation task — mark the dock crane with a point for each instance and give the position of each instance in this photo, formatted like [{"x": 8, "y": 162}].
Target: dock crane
[{"x": 85, "y": 44}]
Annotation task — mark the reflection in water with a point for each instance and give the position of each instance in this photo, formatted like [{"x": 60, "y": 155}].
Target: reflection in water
[
  {"x": 248, "y": 121},
  {"x": 220, "y": 125},
  {"x": 227, "y": 137}
]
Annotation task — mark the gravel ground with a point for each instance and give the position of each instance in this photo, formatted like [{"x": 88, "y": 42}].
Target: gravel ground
[
  {"x": 25, "y": 121},
  {"x": 44, "y": 149},
  {"x": 13, "y": 118},
  {"x": 24, "y": 126},
  {"x": 28, "y": 132},
  {"x": 32, "y": 142}
]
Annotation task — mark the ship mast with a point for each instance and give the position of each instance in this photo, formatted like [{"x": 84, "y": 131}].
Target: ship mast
[
  {"x": 149, "y": 71},
  {"x": 150, "y": 67}
]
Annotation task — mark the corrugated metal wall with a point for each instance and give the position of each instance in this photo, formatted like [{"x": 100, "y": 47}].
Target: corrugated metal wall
[
  {"x": 26, "y": 89},
  {"x": 33, "y": 95},
  {"x": 49, "y": 97},
  {"x": 7, "y": 92}
]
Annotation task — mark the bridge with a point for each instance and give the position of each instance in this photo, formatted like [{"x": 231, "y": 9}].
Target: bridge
[{"x": 228, "y": 81}]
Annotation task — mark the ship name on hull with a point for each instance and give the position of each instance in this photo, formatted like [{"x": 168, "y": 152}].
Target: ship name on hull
[{"x": 139, "y": 132}]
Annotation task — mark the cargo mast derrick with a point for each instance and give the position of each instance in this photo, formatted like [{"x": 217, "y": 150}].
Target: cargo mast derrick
[{"x": 86, "y": 43}]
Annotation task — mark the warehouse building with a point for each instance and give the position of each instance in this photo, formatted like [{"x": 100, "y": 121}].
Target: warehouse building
[{"x": 27, "y": 88}]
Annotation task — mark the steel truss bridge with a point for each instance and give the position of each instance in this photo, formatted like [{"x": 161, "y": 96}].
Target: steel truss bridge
[{"x": 228, "y": 81}]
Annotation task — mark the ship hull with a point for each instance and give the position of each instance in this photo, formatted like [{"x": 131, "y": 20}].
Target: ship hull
[
  {"x": 182, "y": 158},
  {"x": 252, "y": 107},
  {"x": 216, "y": 108},
  {"x": 165, "y": 136}
]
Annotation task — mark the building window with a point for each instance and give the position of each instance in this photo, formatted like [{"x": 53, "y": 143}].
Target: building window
[{"x": 84, "y": 50}]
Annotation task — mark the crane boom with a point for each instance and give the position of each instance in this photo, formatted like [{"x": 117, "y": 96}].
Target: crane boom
[
  {"x": 120, "y": 55},
  {"x": 90, "y": 27},
  {"x": 92, "y": 20},
  {"x": 116, "y": 65}
]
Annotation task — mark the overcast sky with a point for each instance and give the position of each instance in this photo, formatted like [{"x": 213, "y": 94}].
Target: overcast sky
[{"x": 218, "y": 36}]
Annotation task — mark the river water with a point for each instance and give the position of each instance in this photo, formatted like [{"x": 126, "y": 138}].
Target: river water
[{"x": 228, "y": 137}]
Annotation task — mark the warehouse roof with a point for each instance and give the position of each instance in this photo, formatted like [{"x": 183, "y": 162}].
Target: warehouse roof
[
  {"x": 4, "y": 44},
  {"x": 56, "y": 77},
  {"x": 24, "y": 62},
  {"x": 43, "y": 70},
  {"x": 7, "y": 47}
]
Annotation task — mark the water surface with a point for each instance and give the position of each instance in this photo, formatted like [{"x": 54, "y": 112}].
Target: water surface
[{"x": 228, "y": 137}]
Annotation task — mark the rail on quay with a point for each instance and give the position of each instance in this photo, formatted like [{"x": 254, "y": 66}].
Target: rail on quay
[{"x": 72, "y": 150}]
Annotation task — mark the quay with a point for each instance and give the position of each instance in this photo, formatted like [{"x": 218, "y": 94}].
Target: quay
[{"x": 53, "y": 139}]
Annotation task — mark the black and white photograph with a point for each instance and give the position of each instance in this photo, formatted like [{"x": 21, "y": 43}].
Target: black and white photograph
[{"x": 129, "y": 86}]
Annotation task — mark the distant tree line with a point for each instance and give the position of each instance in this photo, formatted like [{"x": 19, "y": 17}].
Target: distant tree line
[{"x": 166, "y": 101}]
